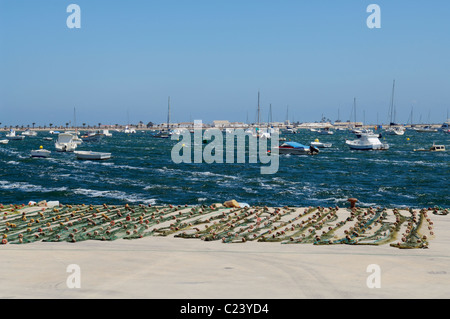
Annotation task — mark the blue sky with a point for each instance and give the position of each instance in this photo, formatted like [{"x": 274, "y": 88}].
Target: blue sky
[{"x": 212, "y": 57}]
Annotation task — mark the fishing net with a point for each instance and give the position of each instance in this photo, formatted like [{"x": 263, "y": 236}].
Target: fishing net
[{"x": 407, "y": 228}]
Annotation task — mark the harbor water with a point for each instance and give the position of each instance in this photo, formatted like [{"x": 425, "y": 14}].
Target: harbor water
[{"x": 141, "y": 171}]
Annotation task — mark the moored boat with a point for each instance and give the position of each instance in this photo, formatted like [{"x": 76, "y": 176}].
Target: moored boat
[
  {"x": 163, "y": 134},
  {"x": 91, "y": 137},
  {"x": 89, "y": 155},
  {"x": 397, "y": 130},
  {"x": 295, "y": 148},
  {"x": 326, "y": 131},
  {"x": 426, "y": 129},
  {"x": 367, "y": 141},
  {"x": 29, "y": 132},
  {"x": 65, "y": 143},
  {"x": 13, "y": 137},
  {"x": 319, "y": 144},
  {"x": 433, "y": 148},
  {"x": 41, "y": 152}
]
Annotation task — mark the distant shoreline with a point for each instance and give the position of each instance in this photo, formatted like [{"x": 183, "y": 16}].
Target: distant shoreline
[{"x": 342, "y": 125}]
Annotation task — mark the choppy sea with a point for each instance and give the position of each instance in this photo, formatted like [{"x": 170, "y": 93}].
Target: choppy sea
[{"x": 141, "y": 170}]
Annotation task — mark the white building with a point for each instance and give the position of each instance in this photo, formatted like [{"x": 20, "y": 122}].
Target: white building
[{"x": 221, "y": 124}]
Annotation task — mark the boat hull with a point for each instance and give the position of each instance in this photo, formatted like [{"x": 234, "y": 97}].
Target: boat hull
[
  {"x": 40, "y": 153},
  {"x": 15, "y": 138},
  {"x": 93, "y": 156},
  {"x": 366, "y": 147},
  {"x": 321, "y": 145}
]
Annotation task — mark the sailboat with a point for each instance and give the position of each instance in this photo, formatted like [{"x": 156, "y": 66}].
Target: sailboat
[
  {"x": 163, "y": 133},
  {"x": 75, "y": 139},
  {"x": 393, "y": 129},
  {"x": 127, "y": 129},
  {"x": 258, "y": 133}
]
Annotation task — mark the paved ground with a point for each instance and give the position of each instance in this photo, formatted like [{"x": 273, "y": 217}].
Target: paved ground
[{"x": 166, "y": 267}]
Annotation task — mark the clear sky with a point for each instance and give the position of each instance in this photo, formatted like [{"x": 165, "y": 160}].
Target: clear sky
[{"x": 211, "y": 57}]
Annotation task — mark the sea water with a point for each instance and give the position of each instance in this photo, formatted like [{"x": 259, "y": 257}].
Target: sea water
[{"x": 141, "y": 171}]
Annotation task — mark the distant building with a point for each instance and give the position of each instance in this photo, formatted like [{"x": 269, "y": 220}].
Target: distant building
[
  {"x": 221, "y": 124},
  {"x": 237, "y": 125},
  {"x": 186, "y": 124},
  {"x": 347, "y": 124},
  {"x": 276, "y": 124},
  {"x": 315, "y": 125}
]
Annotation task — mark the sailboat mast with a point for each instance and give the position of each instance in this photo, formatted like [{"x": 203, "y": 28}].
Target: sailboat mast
[
  {"x": 168, "y": 113},
  {"x": 270, "y": 114},
  {"x": 287, "y": 114},
  {"x": 258, "y": 110},
  {"x": 74, "y": 119},
  {"x": 392, "y": 119}
]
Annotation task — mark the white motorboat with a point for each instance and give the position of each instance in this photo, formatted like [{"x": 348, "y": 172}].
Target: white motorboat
[
  {"x": 326, "y": 131},
  {"x": 77, "y": 140},
  {"x": 13, "y": 137},
  {"x": 89, "y": 155},
  {"x": 264, "y": 135},
  {"x": 319, "y": 144},
  {"x": 106, "y": 133},
  {"x": 395, "y": 130},
  {"x": 4, "y": 141},
  {"x": 356, "y": 131},
  {"x": 367, "y": 132},
  {"x": 367, "y": 141},
  {"x": 294, "y": 148},
  {"x": 129, "y": 130},
  {"x": 65, "y": 143},
  {"x": 41, "y": 152},
  {"x": 29, "y": 132},
  {"x": 288, "y": 131}
]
